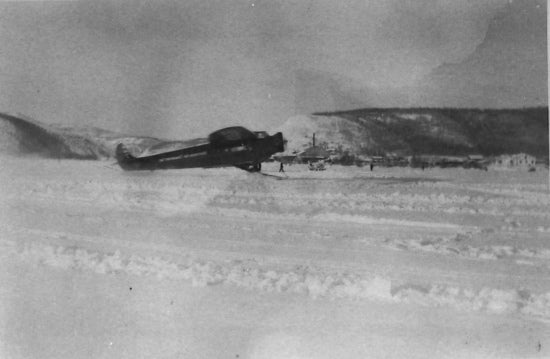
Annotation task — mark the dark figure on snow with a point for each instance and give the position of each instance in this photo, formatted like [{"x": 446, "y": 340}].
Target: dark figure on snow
[
  {"x": 281, "y": 167},
  {"x": 371, "y": 166}
]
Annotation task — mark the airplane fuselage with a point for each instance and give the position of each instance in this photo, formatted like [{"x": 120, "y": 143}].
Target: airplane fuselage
[{"x": 246, "y": 152}]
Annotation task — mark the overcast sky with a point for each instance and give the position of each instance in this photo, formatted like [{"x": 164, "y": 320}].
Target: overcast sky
[{"x": 184, "y": 68}]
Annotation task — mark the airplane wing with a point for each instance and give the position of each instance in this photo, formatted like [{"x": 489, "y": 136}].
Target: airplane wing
[{"x": 172, "y": 147}]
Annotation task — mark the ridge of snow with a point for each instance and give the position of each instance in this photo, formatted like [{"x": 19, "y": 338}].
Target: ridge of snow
[{"x": 305, "y": 280}]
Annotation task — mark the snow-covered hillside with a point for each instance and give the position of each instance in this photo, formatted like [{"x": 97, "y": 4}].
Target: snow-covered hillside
[
  {"x": 347, "y": 263},
  {"x": 335, "y": 133},
  {"x": 409, "y": 132},
  {"x": 23, "y": 135}
]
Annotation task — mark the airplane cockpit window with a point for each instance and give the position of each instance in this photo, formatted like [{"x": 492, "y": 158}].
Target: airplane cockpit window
[
  {"x": 231, "y": 135},
  {"x": 261, "y": 134}
]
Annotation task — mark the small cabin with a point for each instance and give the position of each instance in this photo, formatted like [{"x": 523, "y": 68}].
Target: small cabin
[
  {"x": 519, "y": 160},
  {"x": 313, "y": 154}
]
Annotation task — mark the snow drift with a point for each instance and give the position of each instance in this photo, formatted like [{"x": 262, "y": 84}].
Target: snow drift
[
  {"x": 313, "y": 282},
  {"x": 22, "y": 135}
]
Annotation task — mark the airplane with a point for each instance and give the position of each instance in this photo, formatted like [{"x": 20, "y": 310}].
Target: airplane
[{"x": 231, "y": 146}]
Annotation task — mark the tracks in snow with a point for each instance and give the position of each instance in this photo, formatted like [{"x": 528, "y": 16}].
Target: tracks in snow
[{"x": 393, "y": 238}]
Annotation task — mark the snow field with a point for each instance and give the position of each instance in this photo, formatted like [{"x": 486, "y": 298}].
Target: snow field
[
  {"x": 389, "y": 196},
  {"x": 305, "y": 280},
  {"x": 460, "y": 244}
]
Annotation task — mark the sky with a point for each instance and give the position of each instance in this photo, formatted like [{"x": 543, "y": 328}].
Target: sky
[{"x": 177, "y": 69}]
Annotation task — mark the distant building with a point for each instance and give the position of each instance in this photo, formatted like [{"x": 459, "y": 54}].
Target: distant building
[
  {"x": 519, "y": 160},
  {"x": 437, "y": 161},
  {"x": 475, "y": 157},
  {"x": 313, "y": 154},
  {"x": 361, "y": 160},
  {"x": 476, "y": 161}
]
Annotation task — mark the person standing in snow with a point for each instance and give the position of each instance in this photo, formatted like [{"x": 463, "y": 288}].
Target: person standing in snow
[{"x": 281, "y": 168}]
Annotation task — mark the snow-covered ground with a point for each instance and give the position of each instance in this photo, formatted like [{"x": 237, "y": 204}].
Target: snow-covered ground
[{"x": 220, "y": 263}]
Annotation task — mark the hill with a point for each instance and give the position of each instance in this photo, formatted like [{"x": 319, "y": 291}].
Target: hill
[
  {"x": 21, "y": 135},
  {"x": 424, "y": 131}
]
